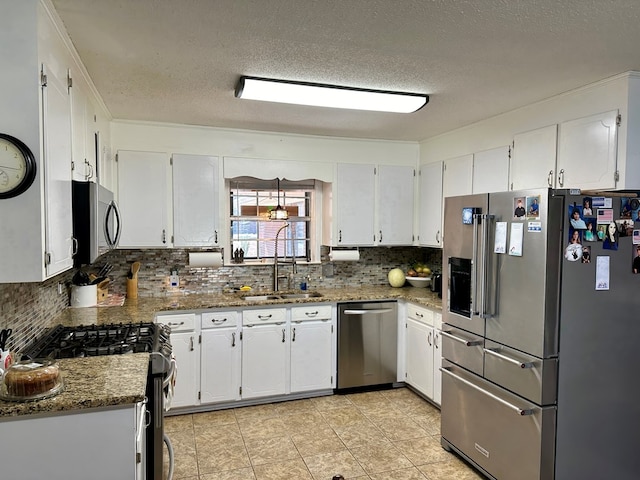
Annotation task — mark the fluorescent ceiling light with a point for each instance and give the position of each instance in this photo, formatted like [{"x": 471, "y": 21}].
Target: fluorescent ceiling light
[{"x": 318, "y": 95}]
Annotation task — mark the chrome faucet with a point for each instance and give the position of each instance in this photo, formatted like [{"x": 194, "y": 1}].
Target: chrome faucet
[{"x": 276, "y": 263}]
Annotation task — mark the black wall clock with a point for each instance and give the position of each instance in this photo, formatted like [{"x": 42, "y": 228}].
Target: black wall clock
[{"x": 17, "y": 166}]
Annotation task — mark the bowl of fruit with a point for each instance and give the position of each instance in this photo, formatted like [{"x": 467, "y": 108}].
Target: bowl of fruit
[{"x": 419, "y": 275}]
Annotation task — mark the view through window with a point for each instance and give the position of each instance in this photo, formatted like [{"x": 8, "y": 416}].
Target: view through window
[{"x": 252, "y": 231}]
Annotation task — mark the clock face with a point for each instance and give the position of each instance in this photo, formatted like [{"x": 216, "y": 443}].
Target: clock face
[{"x": 17, "y": 166}]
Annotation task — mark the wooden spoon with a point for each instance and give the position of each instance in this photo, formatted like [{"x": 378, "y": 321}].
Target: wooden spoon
[{"x": 135, "y": 267}]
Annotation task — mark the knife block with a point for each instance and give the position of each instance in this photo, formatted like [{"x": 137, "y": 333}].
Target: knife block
[{"x": 132, "y": 288}]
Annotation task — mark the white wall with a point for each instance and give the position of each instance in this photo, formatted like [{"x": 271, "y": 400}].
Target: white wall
[
  {"x": 621, "y": 92},
  {"x": 196, "y": 140}
]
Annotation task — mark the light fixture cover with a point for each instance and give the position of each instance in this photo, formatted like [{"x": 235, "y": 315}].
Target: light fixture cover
[
  {"x": 315, "y": 94},
  {"x": 278, "y": 213}
]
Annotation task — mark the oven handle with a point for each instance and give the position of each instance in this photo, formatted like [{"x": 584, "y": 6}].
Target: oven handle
[
  {"x": 468, "y": 343},
  {"x": 169, "y": 376},
  {"x": 496, "y": 353},
  {"x": 513, "y": 407}
]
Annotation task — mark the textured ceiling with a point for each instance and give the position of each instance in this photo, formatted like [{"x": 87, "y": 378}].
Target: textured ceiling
[{"x": 178, "y": 60}]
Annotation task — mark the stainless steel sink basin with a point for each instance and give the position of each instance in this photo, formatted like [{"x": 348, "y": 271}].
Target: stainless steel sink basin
[
  {"x": 260, "y": 298},
  {"x": 300, "y": 295},
  {"x": 280, "y": 296}
]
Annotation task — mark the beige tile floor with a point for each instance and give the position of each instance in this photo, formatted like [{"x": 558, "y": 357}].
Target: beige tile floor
[{"x": 382, "y": 435}]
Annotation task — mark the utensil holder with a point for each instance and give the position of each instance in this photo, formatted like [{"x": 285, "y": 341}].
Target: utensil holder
[{"x": 132, "y": 288}]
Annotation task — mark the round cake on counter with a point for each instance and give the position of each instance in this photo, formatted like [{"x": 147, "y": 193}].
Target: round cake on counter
[{"x": 29, "y": 379}]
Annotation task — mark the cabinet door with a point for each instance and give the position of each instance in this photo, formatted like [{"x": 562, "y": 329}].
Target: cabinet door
[
  {"x": 533, "y": 161},
  {"x": 458, "y": 176},
  {"x": 196, "y": 201},
  {"x": 311, "y": 355},
  {"x": 420, "y": 357},
  {"x": 83, "y": 151},
  {"x": 395, "y": 205},
  {"x": 57, "y": 174},
  {"x": 264, "y": 360},
  {"x": 354, "y": 198},
  {"x": 587, "y": 152},
  {"x": 143, "y": 199},
  {"x": 491, "y": 170},
  {"x": 220, "y": 365},
  {"x": 184, "y": 349},
  {"x": 430, "y": 214}
]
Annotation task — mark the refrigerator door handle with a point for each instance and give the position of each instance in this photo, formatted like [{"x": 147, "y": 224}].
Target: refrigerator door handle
[
  {"x": 513, "y": 407},
  {"x": 496, "y": 353},
  {"x": 468, "y": 343},
  {"x": 474, "y": 265},
  {"x": 484, "y": 251}
]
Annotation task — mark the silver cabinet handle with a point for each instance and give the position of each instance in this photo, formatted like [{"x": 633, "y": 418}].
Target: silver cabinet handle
[
  {"x": 164, "y": 236},
  {"x": 438, "y": 236},
  {"x": 218, "y": 321},
  {"x": 265, "y": 317},
  {"x": 561, "y": 177},
  {"x": 429, "y": 339},
  {"x": 380, "y": 240},
  {"x": 175, "y": 324},
  {"x": 293, "y": 337},
  {"x": 215, "y": 233},
  {"x": 75, "y": 246},
  {"x": 550, "y": 178},
  {"x": 311, "y": 314},
  {"x": 517, "y": 409},
  {"x": 191, "y": 344},
  {"x": 283, "y": 335},
  {"x": 435, "y": 340},
  {"x": 364, "y": 312},
  {"x": 233, "y": 339},
  {"x": 419, "y": 315},
  {"x": 339, "y": 235},
  {"x": 468, "y": 343},
  {"x": 496, "y": 353}
]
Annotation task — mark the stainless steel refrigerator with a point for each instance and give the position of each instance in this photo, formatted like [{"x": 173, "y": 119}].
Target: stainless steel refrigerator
[{"x": 541, "y": 334}]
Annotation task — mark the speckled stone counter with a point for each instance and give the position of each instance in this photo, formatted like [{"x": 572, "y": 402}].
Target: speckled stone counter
[
  {"x": 120, "y": 379},
  {"x": 91, "y": 382}
]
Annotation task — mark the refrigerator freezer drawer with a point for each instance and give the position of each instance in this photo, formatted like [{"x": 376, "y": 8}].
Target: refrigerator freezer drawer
[
  {"x": 462, "y": 348},
  {"x": 508, "y": 437},
  {"x": 526, "y": 375}
]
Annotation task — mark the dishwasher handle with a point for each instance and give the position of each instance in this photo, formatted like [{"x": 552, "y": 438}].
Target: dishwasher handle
[{"x": 367, "y": 311}]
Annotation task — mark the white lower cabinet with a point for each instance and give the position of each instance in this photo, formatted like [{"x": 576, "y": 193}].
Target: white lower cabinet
[
  {"x": 186, "y": 350},
  {"x": 264, "y": 353},
  {"x": 312, "y": 352},
  {"x": 220, "y": 357},
  {"x": 423, "y": 352},
  {"x": 73, "y": 445}
]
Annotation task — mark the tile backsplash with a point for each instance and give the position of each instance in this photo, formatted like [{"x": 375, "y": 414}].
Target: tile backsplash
[{"x": 29, "y": 308}]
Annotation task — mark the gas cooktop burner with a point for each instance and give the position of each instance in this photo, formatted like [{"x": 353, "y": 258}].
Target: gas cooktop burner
[{"x": 94, "y": 340}]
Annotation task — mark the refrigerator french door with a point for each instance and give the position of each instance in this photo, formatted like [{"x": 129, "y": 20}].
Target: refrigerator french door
[{"x": 535, "y": 358}]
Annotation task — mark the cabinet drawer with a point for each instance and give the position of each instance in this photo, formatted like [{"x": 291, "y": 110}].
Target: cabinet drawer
[
  {"x": 314, "y": 312},
  {"x": 183, "y": 322},
  {"x": 264, "y": 315},
  {"x": 218, "y": 320},
  {"x": 420, "y": 314},
  {"x": 463, "y": 348}
]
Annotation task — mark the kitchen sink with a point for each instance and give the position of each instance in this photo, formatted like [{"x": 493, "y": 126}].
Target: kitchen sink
[{"x": 280, "y": 296}]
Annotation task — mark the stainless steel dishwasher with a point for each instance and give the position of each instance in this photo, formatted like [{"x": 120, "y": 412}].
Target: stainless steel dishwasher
[{"x": 367, "y": 344}]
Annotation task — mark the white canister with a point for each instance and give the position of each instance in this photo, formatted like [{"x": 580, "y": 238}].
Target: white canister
[{"x": 84, "y": 295}]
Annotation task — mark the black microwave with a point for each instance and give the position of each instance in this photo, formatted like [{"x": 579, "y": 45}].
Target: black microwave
[{"x": 96, "y": 221}]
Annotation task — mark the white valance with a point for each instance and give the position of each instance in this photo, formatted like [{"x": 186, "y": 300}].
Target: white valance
[{"x": 270, "y": 169}]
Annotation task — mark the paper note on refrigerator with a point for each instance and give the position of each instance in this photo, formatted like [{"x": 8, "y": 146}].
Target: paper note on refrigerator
[
  {"x": 500, "y": 244},
  {"x": 515, "y": 242},
  {"x": 602, "y": 273}
]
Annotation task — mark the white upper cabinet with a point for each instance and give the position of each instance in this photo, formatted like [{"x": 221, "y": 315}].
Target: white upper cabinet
[
  {"x": 458, "y": 176},
  {"x": 143, "y": 199},
  {"x": 587, "y": 152},
  {"x": 349, "y": 205},
  {"x": 491, "y": 170},
  {"x": 82, "y": 121},
  {"x": 395, "y": 205},
  {"x": 196, "y": 201},
  {"x": 533, "y": 161},
  {"x": 369, "y": 205},
  {"x": 430, "y": 205}
]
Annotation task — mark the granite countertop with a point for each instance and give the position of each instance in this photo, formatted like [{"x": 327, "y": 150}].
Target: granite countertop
[
  {"x": 90, "y": 382},
  {"x": 120, "y": 379}
]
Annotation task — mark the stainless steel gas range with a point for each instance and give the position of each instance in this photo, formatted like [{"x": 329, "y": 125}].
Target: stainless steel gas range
[{"x": 121, "y": 339}]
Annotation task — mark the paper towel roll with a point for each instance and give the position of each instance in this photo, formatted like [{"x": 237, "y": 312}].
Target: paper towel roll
[
  {"x": 344, "y": 255},
  {"x": 205, "y": 259}
]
